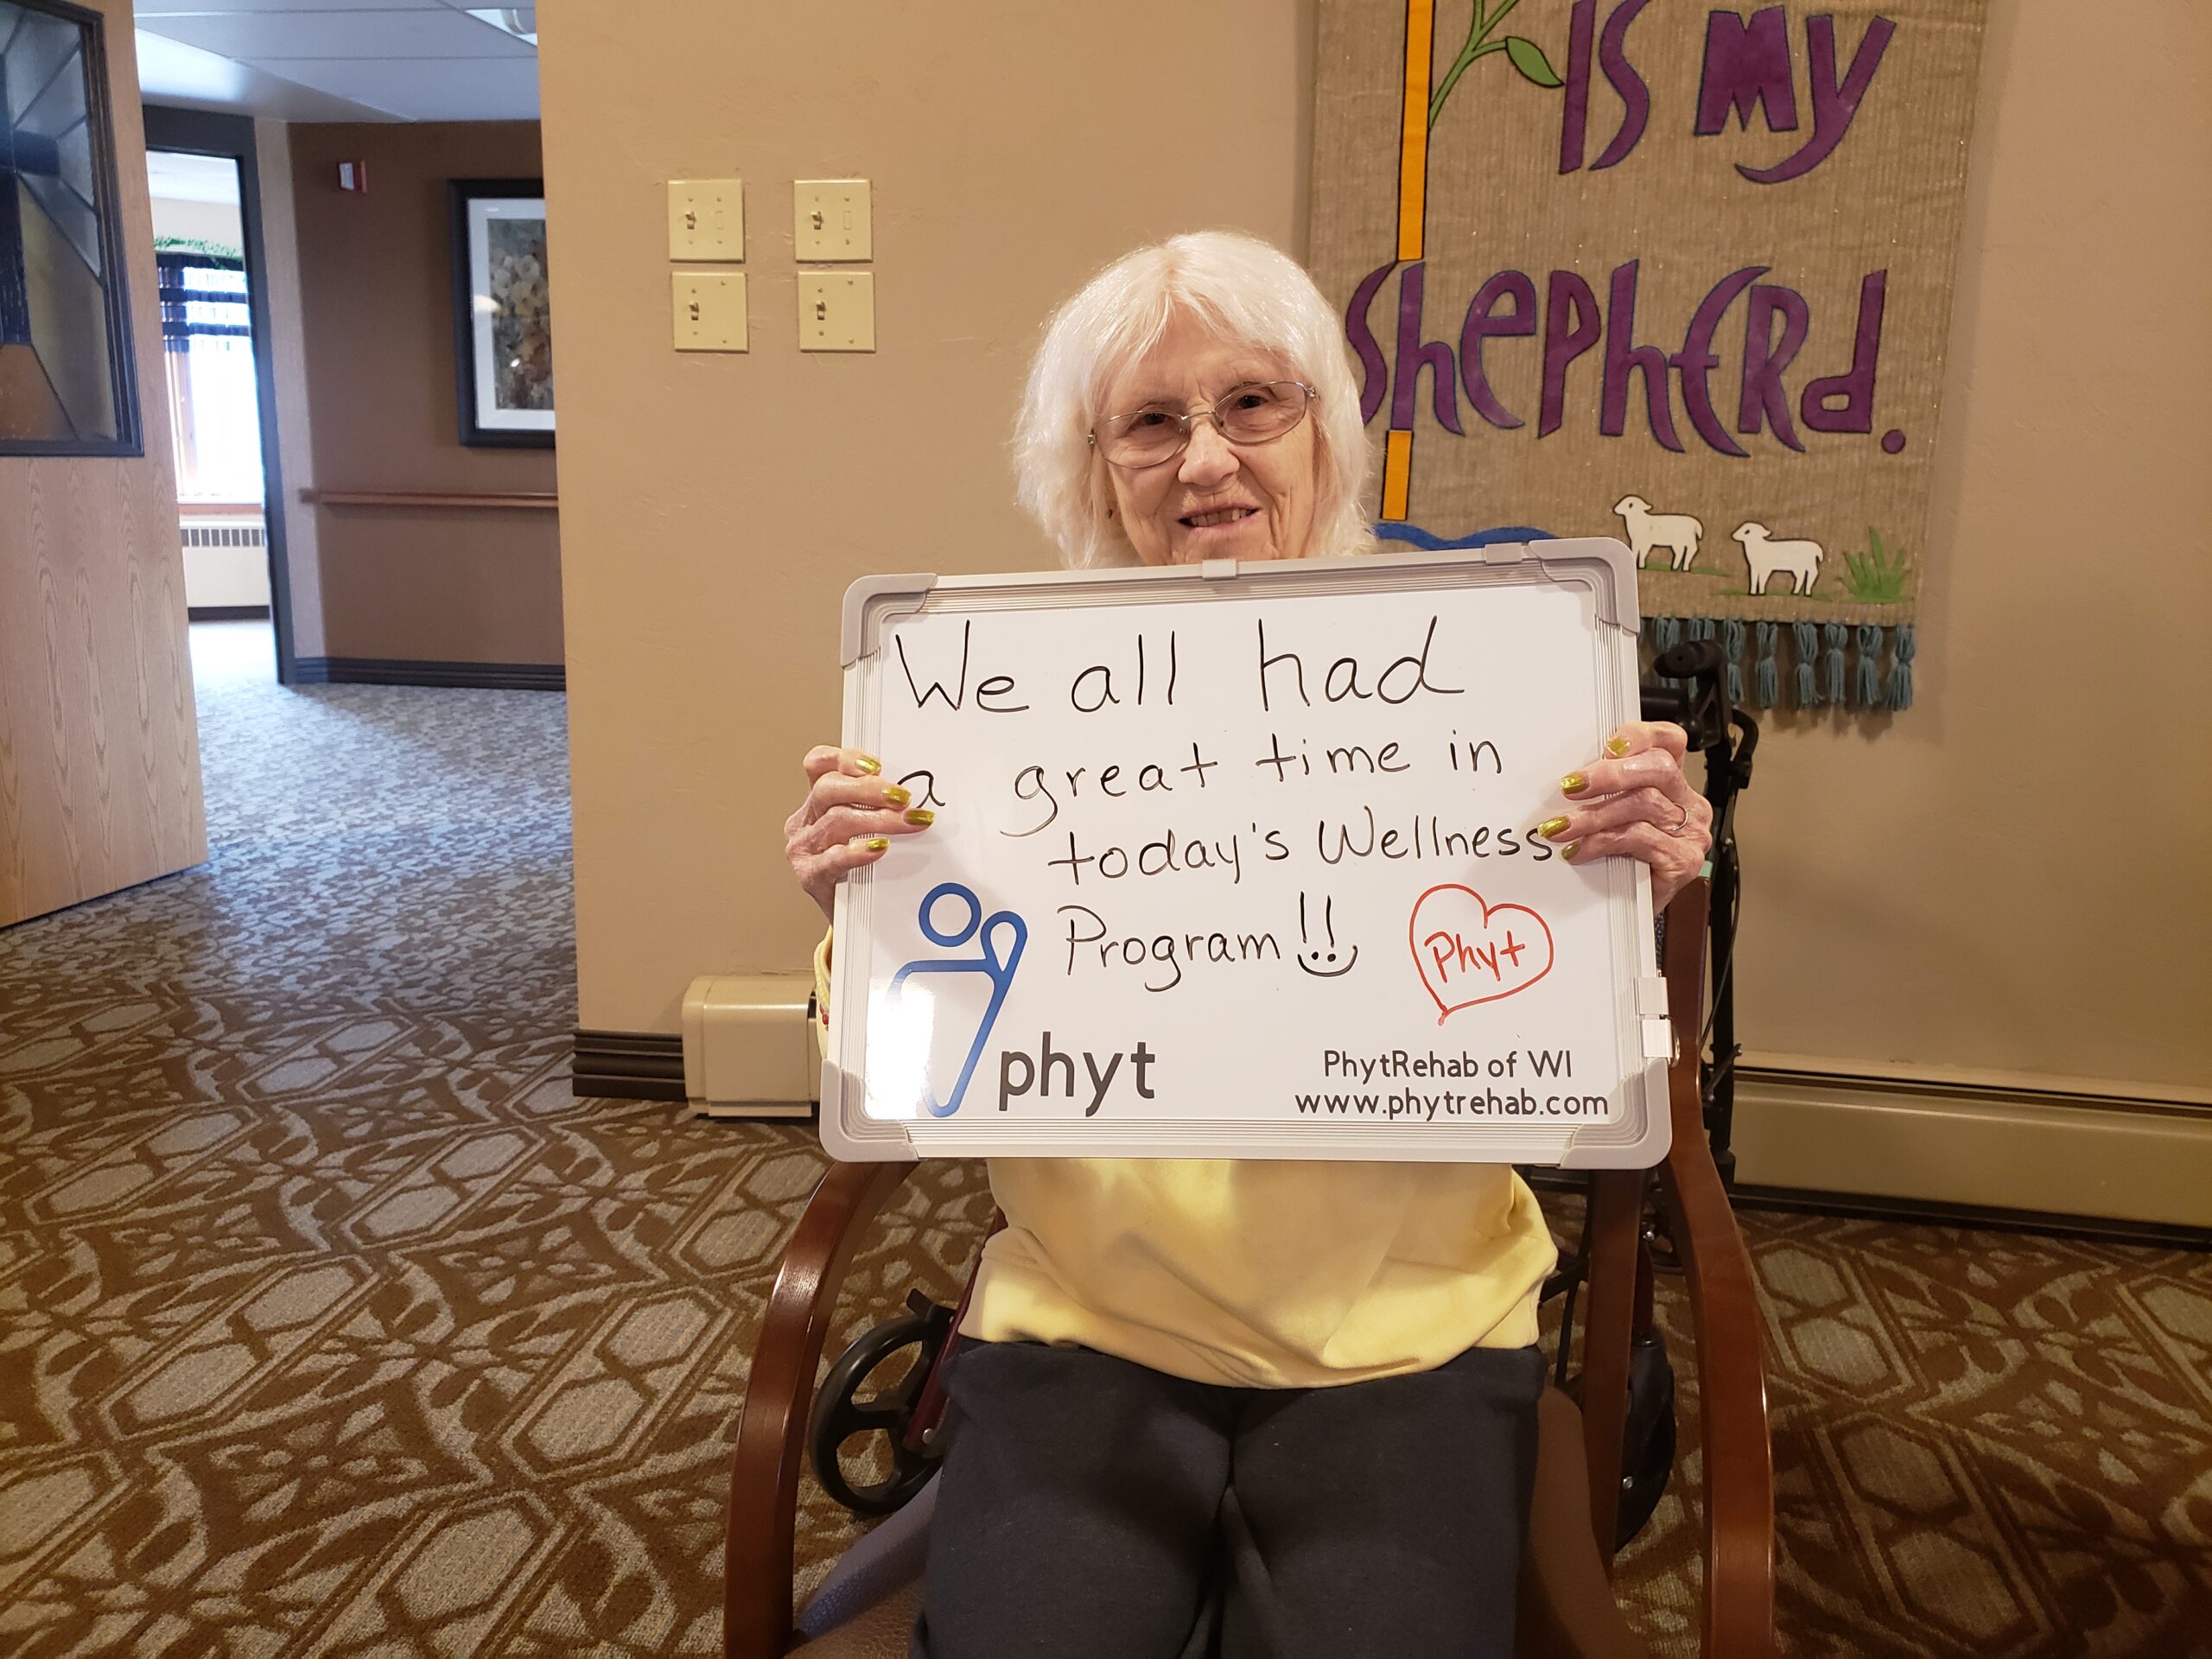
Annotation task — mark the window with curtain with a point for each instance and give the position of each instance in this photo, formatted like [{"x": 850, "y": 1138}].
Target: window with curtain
[{"x": 207, "y": 343}]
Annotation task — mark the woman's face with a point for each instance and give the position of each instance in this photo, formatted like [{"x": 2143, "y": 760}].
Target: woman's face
[{"x": 1215, "y": 501}]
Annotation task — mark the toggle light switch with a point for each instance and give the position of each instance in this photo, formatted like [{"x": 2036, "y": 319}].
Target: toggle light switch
[
  {"x": 830, "y": 220},
  {"x": 709, "y": 310},
  {"x": 836, "y": 311},
  {"x": 706, "y": 219}
]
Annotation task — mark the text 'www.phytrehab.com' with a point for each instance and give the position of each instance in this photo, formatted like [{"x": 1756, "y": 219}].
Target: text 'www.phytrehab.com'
[{"x": 1419, "y": 1103}]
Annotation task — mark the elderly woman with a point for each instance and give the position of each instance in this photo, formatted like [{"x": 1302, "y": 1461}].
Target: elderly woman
[{"x": 1245, "y": 1407}]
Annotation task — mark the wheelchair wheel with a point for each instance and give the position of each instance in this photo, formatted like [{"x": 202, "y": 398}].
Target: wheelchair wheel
[
  {"x": 1642, "y": 1487},
  {"x": 1649, "y": 1436},
  {"x": 840, "y": 1416}
]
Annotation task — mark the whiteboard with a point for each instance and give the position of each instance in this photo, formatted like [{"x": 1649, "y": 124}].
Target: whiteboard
[{"x": 1238, "y": 861}]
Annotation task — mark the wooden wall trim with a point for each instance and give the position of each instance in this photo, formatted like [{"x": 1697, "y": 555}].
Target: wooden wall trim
[
  {"x": 407, "y": 670},
  {"x": 527, "y": 500}
]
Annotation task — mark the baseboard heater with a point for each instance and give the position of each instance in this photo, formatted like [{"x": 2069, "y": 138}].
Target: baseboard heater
[
  {"x": 749, "y": 1047},
  {"x": 747, "y": 1050},
  {"x": 409, "y": 671}
]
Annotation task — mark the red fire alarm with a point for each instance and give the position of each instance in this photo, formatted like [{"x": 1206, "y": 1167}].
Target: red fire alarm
[{"x": 354, "y": 176}]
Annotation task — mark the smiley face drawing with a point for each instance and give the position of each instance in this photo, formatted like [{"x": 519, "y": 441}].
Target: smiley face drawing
[{"x": 1323, "y": 961}]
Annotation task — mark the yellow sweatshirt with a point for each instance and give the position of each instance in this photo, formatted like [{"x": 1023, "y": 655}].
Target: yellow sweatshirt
[{"x": 1285, "y": 1275}]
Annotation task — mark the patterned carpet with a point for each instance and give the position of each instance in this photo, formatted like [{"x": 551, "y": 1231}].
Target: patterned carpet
[{"x": 330, "y": 1324}]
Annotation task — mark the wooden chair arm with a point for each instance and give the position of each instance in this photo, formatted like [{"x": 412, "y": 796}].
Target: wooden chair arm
[
  {"x": 772, "y": 1425},
  {"x": 1730, "y": 1330}
]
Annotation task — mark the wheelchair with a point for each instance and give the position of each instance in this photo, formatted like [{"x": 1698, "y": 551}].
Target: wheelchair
[{"x": 895, "y": 1425}]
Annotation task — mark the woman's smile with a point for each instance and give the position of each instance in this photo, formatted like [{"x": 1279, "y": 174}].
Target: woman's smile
[{"x": 1214, "y": 517}]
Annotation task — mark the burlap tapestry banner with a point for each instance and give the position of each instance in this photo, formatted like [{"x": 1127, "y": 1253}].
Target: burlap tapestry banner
[{"x": 1675, "y": 273}]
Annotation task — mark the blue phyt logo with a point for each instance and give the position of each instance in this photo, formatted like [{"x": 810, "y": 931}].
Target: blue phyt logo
[{"x": 995, "y": 961}]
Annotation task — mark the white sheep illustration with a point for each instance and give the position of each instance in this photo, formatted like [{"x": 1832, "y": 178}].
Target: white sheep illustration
[
  {"x": 1767, "y": 556},
  {"x": 1677, "y": 532}
]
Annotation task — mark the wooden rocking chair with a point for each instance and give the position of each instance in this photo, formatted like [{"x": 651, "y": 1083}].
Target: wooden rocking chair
[{"x": 1566, "y": 1610}]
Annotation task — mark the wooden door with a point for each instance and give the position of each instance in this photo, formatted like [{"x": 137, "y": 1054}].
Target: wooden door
[{"x": 100, "y": 748}]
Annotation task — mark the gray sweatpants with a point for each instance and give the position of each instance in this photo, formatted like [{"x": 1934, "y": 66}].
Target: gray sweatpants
[{"x": 1091, "y": 1507}]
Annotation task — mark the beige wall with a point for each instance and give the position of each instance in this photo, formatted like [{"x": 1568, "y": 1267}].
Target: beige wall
[
  {"x": 2017, "y": 875},
  {"x": 375, "y": 281},
  {"x": 2009, "y": 879},
  {"x": 99, "y": 756}
]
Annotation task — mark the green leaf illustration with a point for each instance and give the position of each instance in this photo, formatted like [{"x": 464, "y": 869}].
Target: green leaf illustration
[{"x": 1529, "y": 58}]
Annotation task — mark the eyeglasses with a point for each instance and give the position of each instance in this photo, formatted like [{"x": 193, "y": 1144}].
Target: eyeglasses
[{"x": 1258, "y": 413}]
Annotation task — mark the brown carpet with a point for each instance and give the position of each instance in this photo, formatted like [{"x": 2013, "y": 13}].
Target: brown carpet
[{"x": 331, "y": 1325}]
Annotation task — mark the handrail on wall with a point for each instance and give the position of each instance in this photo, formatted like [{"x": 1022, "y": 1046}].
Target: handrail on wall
[{"x": 528, "y": 499}]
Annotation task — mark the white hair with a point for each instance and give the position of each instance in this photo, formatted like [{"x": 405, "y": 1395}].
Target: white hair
[{"x": 1258, "y": 299}]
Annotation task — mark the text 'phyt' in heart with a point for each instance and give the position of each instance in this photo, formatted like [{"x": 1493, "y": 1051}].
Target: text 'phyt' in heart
[{"x": 1468, "y": 952}]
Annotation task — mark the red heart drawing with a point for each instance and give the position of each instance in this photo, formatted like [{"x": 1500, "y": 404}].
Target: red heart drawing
[{"x": 1468, "y": 952}]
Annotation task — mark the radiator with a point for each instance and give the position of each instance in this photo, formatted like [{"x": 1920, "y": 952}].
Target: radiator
[
  {"x": 225, "y": 560},
  {"x": 223, "y": 535}
]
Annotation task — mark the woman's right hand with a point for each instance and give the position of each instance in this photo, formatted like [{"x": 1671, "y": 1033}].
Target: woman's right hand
[{"x": 846, "y": 820}]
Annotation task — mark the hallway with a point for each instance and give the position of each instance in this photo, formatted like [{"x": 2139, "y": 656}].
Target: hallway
[{"x": 332, "y": 1319}]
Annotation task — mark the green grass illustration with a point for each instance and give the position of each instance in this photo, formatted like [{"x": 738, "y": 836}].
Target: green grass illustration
[{"x": 1875, "y": 577}]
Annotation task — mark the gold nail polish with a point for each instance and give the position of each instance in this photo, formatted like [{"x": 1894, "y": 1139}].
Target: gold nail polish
[
  {"x": 867, "y": 764},
  {"x": 921, "y": 818},
  {"x": 1569, "y": 851},
  {"x": 1551, "y": 827},
  {"x": 877, "y": 843},
  {"x": 1573, "y": 784},
  {"x": 896, "y": 794},
  {"x": 1615, "y": 748}
]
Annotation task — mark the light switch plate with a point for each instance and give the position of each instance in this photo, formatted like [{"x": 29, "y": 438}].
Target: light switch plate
[
  {"x": 837, "y": 311},
  {"x": 706, "y": 219},
  {"x": 831, "y": 220},
  {"x": 709, "y": 310}
]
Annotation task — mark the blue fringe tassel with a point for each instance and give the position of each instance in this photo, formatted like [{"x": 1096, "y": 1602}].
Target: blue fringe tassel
[
  {"x": 1731, "y": 647},
  {"x": 1833, "y": 635},
  {"x": 1700, "y": 627},
  {"x": 1866, "y": 688},
  {"x": 1805, "y": 640},
  {"x": 1666, "y": 631},
  {"x": 1766, "y": 673},
  {"x": 1901, "y": 675}
]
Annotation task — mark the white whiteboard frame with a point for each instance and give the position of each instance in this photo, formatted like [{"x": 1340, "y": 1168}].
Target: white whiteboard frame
[{"x": 1604, "y": 568}]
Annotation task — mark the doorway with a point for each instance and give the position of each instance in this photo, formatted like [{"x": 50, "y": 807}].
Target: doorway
[{"x": 207, "y": 243}]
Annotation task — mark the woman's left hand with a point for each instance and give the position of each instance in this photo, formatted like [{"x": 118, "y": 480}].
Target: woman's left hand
[{"x": 1635, "y": 802}]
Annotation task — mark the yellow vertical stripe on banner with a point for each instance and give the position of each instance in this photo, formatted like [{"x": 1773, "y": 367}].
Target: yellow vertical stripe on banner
[
  {"x": 1397, "y": 475},
  {"x": 1413, "y": 143},
  {"x": 1412, "y": 209}
]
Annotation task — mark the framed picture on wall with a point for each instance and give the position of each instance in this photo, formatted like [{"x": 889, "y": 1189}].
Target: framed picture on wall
[
  {"x": 502, "y": 314},
  {"x": 68, "y": 386}
]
